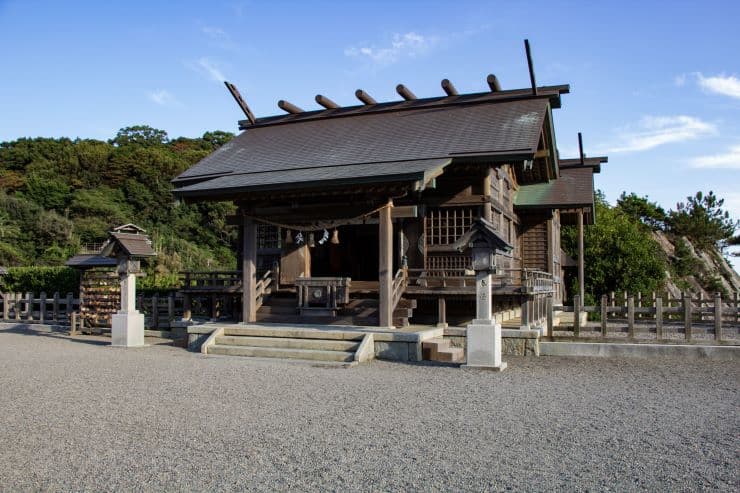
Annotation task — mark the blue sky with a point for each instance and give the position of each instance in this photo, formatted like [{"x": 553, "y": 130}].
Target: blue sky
[{"x": 655, "y": 85}]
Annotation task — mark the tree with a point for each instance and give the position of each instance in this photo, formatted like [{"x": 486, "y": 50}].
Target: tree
[
  {"x": 703, "y": 220},
  {"x": 141, "y": 135},
  {"x": 641, "y": 209},
  {"x": 619, "y": 251}
]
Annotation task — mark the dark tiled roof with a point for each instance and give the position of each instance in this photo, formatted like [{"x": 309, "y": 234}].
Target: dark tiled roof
[
  {"x": 89, "y": 261},
  {"x": 574, "y": 188},
  {"x": 134, "y": 245},
  {"x": 397, "y": 171},
  {"x": 327, "y": 146}
]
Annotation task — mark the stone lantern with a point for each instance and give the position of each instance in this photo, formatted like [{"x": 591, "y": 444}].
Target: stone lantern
[
  {"x": 128, "y": 244},
  {"x": 483, "y": 334}
]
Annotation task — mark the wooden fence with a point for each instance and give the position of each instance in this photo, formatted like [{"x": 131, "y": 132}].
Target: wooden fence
[
  {"x": 27, "y": 307},
  {"x": 657, "y": 313}
]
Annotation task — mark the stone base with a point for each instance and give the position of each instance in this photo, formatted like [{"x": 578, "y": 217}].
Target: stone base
[
  {"x": 484, "y": 345},
  {"x": 127, "y": 329},
  {"x": 502, "y": 367}
]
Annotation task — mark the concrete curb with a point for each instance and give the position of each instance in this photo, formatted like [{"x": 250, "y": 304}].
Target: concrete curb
[{"x": 611, "y": 350}]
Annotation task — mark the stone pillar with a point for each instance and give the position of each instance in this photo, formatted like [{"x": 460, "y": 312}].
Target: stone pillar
[
  {"x": 249, "y": 271},
  {"x": 581, "y": 287},
  {"x": 127, "y": 328},
  {"x": 385, "y": 267},
  {"x": 484, "y": 334}
]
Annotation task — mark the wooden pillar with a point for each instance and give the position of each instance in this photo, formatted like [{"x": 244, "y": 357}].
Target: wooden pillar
[
  {"x": 687, "y": 316},
  {"x": 581, "y": 287},
  {"x": 385, "y": 267},
  {"x": 249, "y": 271},
  {"x": 442, "y": 312},
  {"x": 604, "y": 314},
  {"x": 718, "y": 316},
  {"x": 577, "y": 315},
  {"x": 659, "y": 318},
  {"x": 487, "y": 211},
  {"x": 631, "y": 316}
]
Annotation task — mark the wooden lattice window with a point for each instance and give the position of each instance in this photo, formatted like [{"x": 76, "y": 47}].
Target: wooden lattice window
[
  {"x": 445, "y": 225},
  {"x": 268, "y": 236},
  {"x": 437, "y": 263}
]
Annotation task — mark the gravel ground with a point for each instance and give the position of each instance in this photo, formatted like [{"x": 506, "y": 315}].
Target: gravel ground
[{"x": 79, "y": 415}]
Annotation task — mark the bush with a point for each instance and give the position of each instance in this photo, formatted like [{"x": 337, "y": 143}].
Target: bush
[{"x": 37, "y": 279}]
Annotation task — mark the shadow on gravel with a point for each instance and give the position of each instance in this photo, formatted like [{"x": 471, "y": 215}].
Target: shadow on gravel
[{"x": 52, "y": 333}]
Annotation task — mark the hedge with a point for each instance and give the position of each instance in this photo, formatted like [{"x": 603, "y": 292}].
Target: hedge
[{"x": 41, "y": 279}]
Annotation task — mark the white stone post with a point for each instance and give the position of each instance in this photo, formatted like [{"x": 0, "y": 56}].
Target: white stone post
[
  {"x": 484, "y": 334},
  {"x": 128, "y": 324}
]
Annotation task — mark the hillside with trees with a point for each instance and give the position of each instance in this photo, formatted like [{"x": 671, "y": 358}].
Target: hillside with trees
[
  {"x": 638, "y": 246},
  {"x": 59, "y": 194}
]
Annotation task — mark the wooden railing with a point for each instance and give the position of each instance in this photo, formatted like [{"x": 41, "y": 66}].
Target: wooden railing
[
  {"x": 210, "y": 280},
  {"x": 658, "y": 314},
  {"x": 440, "y": 278},
  {"x": 263, "y": 287},
  {"x": 536, "y": 281},
  {"x": 42, "y": 309},
  {"x": 400, "y": 281}
]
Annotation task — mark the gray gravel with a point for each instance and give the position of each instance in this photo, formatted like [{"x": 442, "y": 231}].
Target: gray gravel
[{"x": 78, "y": 415}]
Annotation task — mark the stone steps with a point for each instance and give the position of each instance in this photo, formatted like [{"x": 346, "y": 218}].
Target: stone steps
[
  {"x": 293, "y": 333},
  {"x": 439, "y": 349},
  {"x": 289, "y": 343},
  {"x": 282, "y": 353}
]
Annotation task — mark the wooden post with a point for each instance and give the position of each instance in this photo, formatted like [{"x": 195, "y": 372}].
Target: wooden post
[
  {"x": 576, "y": 315},
  {"x": 581, "y": 287},
  {"x": 487, "y": 212},
  {"x": 604, "y": 314},
  {"x": 659, "y": 318},
  {"x": 187, "y": 308},
  {"x": 68, "y": 307},
  {"x": 73, "y": 324},
  {"x": 155, "y": 312},
  {"x": 171, "y": 306},
  {"x": 18, "y": 304},
  {"x": 687, "y": 315},
  {"x": 29, "y": 306},
  {"x": 550, "y": 322},
  {"x": 718, "y": 316},
  {"x": 55, "y": 313},
  {"x": 249, "y": 271},
  {"x": 385, "y": 266},
  {"x": 631, "y": 316},
  {"x": 6, "y": 306},
  {"x": 442, "y": 312},
  {"x": 42, "y": 306}
]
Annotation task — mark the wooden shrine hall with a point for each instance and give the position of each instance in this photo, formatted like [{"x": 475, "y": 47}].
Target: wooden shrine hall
[{"x": 350, "y": 214}]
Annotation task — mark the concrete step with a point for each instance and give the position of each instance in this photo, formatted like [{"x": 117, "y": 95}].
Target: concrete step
[
  {"x": 288, "y": 343},
  {"x": 284, "y": 353},
  {"x": 293, "y": 333},
  {"x": 439, "y": 349},
  {"x": 451, "y": 355}
]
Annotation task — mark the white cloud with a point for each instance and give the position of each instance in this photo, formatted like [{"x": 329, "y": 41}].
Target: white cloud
[
  {"x": 213, "y": 32},
  {"x": 720, "y": 84},
  {"x": 726, "y": 160},
  {"x": 163, "y": 97},
  {"x": 408, "y": 45},
  {"x": 680, "y": 80},
  {"x": 654, "y": 131},
  {"x": 207, "y": 67}
]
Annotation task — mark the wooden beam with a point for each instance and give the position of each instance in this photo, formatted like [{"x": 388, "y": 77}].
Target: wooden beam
[
  {"x": 365, "y": 97},
  {"x": 405, "y": 92},
  {"x": 289, "y": 107},
  {"x": 326, "y": 102},
  {"x": 530, "y": 64},
  {"x": 240, "y": 101},
  {"x": 493, "y": 83},
  {"x": 449, "y": 88},
  {"x": 385, "y": 267},
  {"x": 249, "y": 271},
  {"x": 542, "y": 153}
]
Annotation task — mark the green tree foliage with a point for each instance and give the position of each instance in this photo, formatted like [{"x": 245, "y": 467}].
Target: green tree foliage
[
  {"x": 641, "y": 209},
  {"x": 702, "y": 219},
  {"x": 56, "y": 194},
  {"x": 620, "y": 253}
]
